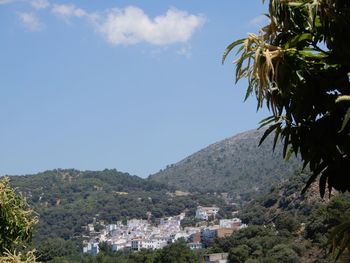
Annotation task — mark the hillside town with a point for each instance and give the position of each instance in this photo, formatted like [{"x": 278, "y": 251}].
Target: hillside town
[{"x": 139, "y": 234}]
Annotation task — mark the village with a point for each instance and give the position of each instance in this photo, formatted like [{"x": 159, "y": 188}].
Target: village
[{"x": 138, "y": 234}]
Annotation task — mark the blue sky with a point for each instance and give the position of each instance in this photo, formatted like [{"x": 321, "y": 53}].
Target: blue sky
[{"x": 131, "y": 85}]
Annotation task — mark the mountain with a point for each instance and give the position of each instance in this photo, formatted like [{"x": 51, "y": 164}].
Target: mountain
[
  {"x": 67, "y": 200},
  {"x": 235, "y": 165}
]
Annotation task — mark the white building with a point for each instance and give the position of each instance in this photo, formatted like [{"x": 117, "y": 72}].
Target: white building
[
  {"x": 216, "y": 258},
  {"x": 230, "y": 223},
  {"x": 195, "y": 245},
  {"x": 137, "y": 223},
  {"x": 203, "y": 213},
  {"x": 138, "y": 243},
  {"x": 176, "y": 236},
  {"x": 90, "y": 228},
  {"x": 138, "y": 234},
  {"x": 91, "y": 248},
  {"x": 111, "y": 227},
  {"x": 118, "y": 246}
]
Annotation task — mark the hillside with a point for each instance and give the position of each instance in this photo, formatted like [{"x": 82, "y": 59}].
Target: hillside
[
  {"x": 67, "y": 200},
  {"x": 284, "y": 226},
  {"x": 235, "y": 165}
]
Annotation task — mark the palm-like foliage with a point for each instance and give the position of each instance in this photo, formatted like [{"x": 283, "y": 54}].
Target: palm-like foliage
[
  {"x": 19, "y": 257},
  {"x": 340, "y": 239},
  {"x": 299, "y": 66}
]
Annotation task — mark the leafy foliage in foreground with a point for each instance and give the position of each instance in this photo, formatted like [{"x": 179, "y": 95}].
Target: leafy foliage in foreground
[
  {"x": 16, "y": 225},
  {"x": 300, "y": 67}
]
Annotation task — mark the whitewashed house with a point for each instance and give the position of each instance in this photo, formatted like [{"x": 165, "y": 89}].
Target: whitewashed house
[
  {"x": 91, "y": 248},
  {"x": 203, "y": 213}
]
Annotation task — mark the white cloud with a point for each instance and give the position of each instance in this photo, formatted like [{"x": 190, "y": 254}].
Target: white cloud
[
  {"x": 258, "y": 21},
  {"x": 131, "y": 26},
  {"x": 30, "y": 21},
  {"x": 40, "y": 4},
  {"x": 67, "y": 11}
]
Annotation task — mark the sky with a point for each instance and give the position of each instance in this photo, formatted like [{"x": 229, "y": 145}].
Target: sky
[{"x": 130, "y": 85}]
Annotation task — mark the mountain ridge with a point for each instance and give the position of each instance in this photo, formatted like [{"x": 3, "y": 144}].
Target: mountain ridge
[
  {"x": 222, "y": 165},
  {"x": 69, "y": 199}
]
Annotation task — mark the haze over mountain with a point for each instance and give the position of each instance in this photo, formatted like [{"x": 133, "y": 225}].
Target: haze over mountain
[{"x": 235, "y": 165}]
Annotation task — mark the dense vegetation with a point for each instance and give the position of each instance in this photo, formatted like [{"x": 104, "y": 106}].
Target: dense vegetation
[
  {"x": 175, "y": 253},
  {"x": 234, "y": 165},
  {"x": 299, "y": 66},
  {"x": 16, "y": 225},
  {"x": 67, "y": 200},
  {"x": 285, "y": 226}
]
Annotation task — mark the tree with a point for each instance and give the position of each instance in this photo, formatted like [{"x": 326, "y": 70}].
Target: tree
[
  {"x": 177, "y": 252},
  {"x": 239, "y": 253},
  {"x": 300, "y": 66},
  {"x": 16, "y": 224},
  {"x": 283, "y": 253},
  {"x": 57, "y": 247}
]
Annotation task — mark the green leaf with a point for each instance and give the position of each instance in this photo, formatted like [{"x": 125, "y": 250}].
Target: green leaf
[
  {"x": 277, "y": 133},
  {"x": 289, "y": 154},
  {"x": 313, "y": 177},
  {"x": 267, "y": 132},
  {"x": 285, "y": 146},
  {"x": 295, "y": 4},
  {"x": 297, "y": 39},
  {"x": 346, "y": 120},
  {"x": 230, "y": 47},
  {"x": 322, "y": 186},
  {"x": 340, "y": 238},
  {"x": 267, "y": 121}
]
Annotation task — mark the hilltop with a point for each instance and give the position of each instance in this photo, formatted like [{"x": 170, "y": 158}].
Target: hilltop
[{"x": 236, "y": 165}]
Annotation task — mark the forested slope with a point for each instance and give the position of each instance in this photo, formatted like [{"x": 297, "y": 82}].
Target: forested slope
[
  {"x": 285, "y": 226},
  {"x": 236, "y": 165},
  {"x": 66, "y": 200}
]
